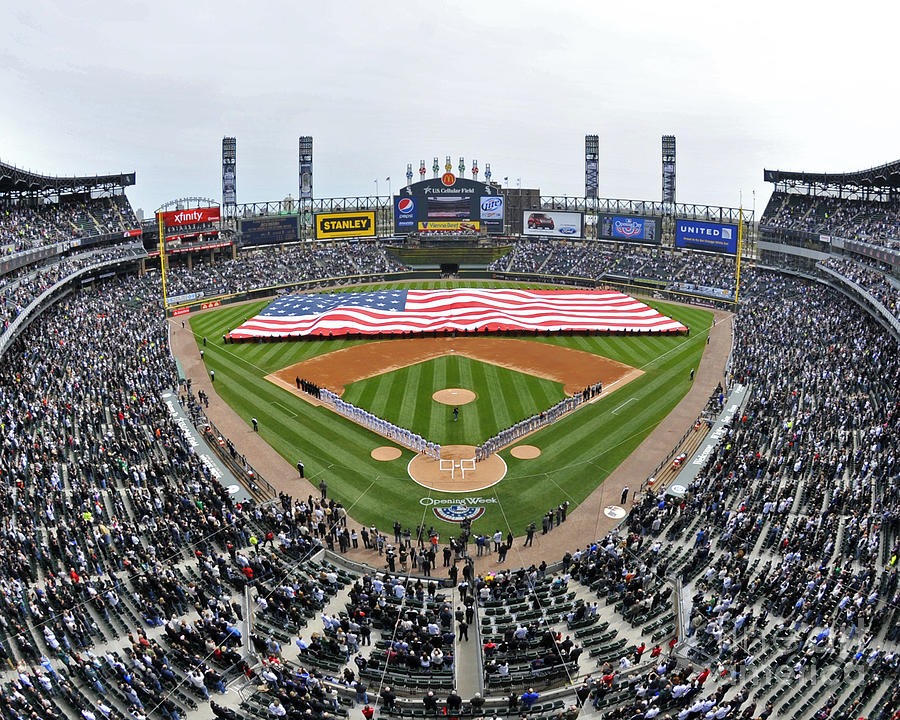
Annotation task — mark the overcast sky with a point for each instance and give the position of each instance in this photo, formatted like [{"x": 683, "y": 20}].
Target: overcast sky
[{"x": 94, "y": 87}]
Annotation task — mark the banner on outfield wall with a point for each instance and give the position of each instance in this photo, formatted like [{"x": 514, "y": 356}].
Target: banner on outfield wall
[
  {"x": 714, "y": 237},
  {"x": 629, "y": 229},
  {"x": 346, "y": 224},
  {"x": 550, "y": 223},
  {"x": 195, "y": 216},
  {"x": 449, "y": 226}
]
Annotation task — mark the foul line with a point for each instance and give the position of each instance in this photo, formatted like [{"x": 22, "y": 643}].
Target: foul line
[
  {"x": 285, "y": 408},
  {"x": 623, "y": 405}
]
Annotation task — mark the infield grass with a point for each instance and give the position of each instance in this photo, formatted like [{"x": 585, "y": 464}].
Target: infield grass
[
  {"x": 578, "y": 452},
  {"x": 504, "y": 397}
]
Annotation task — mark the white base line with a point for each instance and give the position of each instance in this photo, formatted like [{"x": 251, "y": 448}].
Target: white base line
[
  {"x": 285, "y": 408},
  {"x": 622, "y": 405}
]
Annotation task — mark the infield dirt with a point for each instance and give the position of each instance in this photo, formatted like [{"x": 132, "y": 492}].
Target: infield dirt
[{"x": 575, "y": 369}]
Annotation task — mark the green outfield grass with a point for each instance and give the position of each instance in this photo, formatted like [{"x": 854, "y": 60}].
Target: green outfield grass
[
  {"x": 504, "y": 397},
  {"x": 577, "y": 453}
]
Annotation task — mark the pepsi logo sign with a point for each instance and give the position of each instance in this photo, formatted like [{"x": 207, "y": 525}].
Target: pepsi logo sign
[
  {"x": 406, "y": 205},
  {"x": 458, "y": 513},
  {"x": 448, "y": 179}
]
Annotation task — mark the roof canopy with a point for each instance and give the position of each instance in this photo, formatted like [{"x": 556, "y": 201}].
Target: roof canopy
[
  {"x": 882, "y": 177},
  {"x": 14, "y": 180}
]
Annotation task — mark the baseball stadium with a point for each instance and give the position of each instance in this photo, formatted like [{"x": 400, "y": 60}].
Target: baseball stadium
[
  {"x": 352, "y": 459},
  {"x": 307, "y": 413}
]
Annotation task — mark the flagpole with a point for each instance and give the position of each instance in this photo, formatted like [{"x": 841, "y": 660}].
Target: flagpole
[
  {"x": 390, "y": 194},
  {"x": 376, "y": 187},
  {"x": 737, "y": 269}
]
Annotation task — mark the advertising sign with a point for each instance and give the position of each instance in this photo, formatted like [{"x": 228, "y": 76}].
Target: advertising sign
[
  {"x": 629, "y": 228},
  {"x": 449, "y": 198},
  {"x": 450, "y": 226},
  {"x": 229, "y": 194},
  {"x": 552, "y": 223},
  {"x": 269, "y": 230},
  {"x": 491, "y": 207},
  {"x": 346, "y": 224},
  {"x": 404, "y": 213},
  {"x": 305, "y": 157},
  {"x": 195, "y": 216},
  {"x": 697, "y": 235},
  {"x": 668, "y": 182}
]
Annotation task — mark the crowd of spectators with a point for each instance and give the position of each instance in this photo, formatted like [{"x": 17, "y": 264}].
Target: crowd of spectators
[
  {"x": 20, "y": 288},
  {"x": 112, "y": 526},
  {"x": 278, "y": 266},
  {"x": 787, "y": 542},
  {"x": 694, "y": 273},
  {"x": 865, "y": 220},
  {"x": 23, "y": 227},
  {"x": 873, "y": 280},
  {"x": 526, "y": 257}
]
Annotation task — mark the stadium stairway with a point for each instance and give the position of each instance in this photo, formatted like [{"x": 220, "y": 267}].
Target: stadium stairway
[{"x": 686, "y": 449}]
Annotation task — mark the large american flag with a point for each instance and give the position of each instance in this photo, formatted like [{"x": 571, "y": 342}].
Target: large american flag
[{"x": 463, "y": 309}]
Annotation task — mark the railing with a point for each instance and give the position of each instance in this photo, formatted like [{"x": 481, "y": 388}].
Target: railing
[
  {"x": 20, "y": 259},
  {"x": 862, "y": 292},
  {"x": 243, "y": 470},
  {"x": 668, "y": 458},
  {"x": 35, "y": 306}
]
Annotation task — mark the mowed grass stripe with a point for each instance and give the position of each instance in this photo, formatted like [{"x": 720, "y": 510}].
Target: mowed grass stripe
[
  {"x": 516, "y": 398},
  {"x": 412, "y": 403},
  {"x": 497, "y": 412},
  {"x": 472, "y": 422}
]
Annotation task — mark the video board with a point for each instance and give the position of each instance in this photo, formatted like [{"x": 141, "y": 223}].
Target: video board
[
  {"x": 629, "y": 228},
  {"x": 269, "y": 230},
  {"x": 448, "y": 203}
]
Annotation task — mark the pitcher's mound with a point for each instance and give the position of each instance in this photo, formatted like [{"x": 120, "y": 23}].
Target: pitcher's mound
[
  {"x": 386, "y": 452},
  {"x": 426, "y": 471},
  {"x": 525, "y": 452},
  {"x": 454, "y": 396}
]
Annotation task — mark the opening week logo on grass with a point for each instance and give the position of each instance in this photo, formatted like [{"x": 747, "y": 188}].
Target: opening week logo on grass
[{"x": 456, "y": 510}]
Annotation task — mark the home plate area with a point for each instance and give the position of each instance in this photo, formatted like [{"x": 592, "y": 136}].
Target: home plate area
[{"x": 456, "y": 471}]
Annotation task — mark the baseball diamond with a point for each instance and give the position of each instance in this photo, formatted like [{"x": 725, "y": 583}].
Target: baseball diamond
[{"x": 260, "y": 379}]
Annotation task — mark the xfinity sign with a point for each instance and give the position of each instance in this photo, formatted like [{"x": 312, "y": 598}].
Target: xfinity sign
[
  {"x": 697, "y": 235},
  {"x": 194, "y": 216}
]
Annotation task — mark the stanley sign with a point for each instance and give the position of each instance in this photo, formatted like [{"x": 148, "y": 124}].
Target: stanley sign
[{"x": 343, "y": 225}]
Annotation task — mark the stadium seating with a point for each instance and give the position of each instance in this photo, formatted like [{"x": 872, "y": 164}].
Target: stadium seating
[{"x": 128, "y": 567}]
